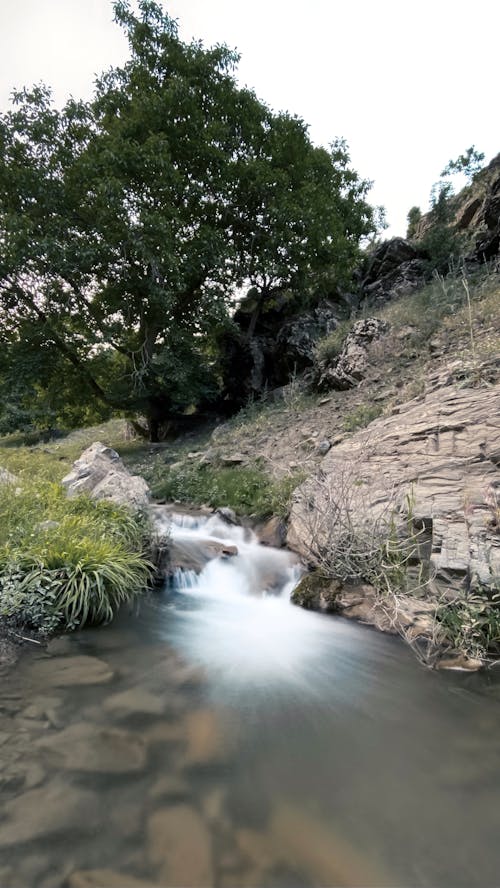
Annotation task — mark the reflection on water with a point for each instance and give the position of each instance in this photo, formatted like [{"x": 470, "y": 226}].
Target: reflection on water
[{"x": 222, "y": 737}]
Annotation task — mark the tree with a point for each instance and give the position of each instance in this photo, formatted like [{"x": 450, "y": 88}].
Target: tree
[
  {"x": 126, "y": 223},
  {"x": 469, "y": 163}
]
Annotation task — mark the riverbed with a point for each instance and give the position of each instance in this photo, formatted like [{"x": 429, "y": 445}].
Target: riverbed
[{"x": 220, "y": 736}]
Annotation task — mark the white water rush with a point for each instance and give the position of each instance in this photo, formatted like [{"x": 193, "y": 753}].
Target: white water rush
[{"x": 233, "y": 596}]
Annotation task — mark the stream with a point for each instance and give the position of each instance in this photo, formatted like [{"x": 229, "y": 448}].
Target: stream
[{"x": 219, "y": 736}]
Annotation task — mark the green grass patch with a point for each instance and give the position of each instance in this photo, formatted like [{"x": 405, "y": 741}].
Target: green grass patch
[
  {"x": 247, "y": 490},
  {"x": 361, "y": 417},
  {"x": 67, "y": 562}
]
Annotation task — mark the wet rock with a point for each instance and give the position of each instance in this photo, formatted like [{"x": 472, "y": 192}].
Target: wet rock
[
  {"x": 317, "y": 592},
  {"x": 204, "y": 741},
  {"x": 180, "y": 847},
  {"x": 90, "y": 748},
  {"x": 106, "y": 878},
  {"x": 133, "y": 702},
  {"x": 66, "y": 671},
  {"x": 228, "y": 515},
  {"x": 170, "y": 787},
  {"x": 272, "y": 532},
  {"x": 100, "y": 472},
  {"x": 55, "y": 808}
]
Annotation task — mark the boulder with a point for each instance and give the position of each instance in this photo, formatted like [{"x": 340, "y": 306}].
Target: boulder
[
  {"x": 351, "y": 365},
  {"x": 180, "y": 847},
  {"x": 100, "y": 472},
  {"x": 95, "y": 750},
  {"x": 395, "y": 268}
]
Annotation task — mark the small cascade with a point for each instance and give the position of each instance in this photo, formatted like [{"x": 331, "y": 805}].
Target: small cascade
[{"x": 226, "y": 560}]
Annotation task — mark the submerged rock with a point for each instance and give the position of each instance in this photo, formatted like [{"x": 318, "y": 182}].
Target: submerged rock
[
  {"x": 106, "y": 878},
  {"x": 54, "y": 808},
  {"x": 180, "y": 847},
  {"x": 81, "y": 670},
  {"x": 90, "y": 748}
]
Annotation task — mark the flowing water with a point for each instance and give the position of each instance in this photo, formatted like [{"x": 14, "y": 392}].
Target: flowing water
[{"x": 219, "y": 736}]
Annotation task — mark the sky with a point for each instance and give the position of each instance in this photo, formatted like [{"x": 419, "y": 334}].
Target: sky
[{"x": 408, "y": 85}]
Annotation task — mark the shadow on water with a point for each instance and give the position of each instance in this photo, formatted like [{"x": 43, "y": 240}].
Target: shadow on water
[{"x": 222, "y": 737}]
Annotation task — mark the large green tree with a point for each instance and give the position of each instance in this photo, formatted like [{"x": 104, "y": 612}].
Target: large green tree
[{"x": 128, "y": 223}]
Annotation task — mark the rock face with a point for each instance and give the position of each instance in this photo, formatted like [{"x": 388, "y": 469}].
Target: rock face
[
  {"x": 437, "y": 461},
  {"x": 100, "y": 472},
  {"x": 395, "y": 268},
  {"x": 350, "y": 366},
  {"x": 271, "y": 346}
]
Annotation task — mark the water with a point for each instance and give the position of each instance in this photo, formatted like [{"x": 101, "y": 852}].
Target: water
[{"x": 222, "y": 737}]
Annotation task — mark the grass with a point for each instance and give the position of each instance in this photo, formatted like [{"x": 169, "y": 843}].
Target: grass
[
  {"x": 67, "y": 562},
  {"x": 247, "y": 489}
]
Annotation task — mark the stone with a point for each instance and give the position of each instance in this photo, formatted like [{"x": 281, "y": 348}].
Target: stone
[
  {"x": 106, "y": 878},
  {"x": 80, "y": 670},
  {"x": 350, "y": 367},
  {"x": 272, "y": 532},
  {"x": 395, "y": 268},
  {"x": 180, "y": 847},
  {"x": 233, "y": 459},
  {"x": 324, "y": 447},
  {"x": 204, "y": 742},
  {"x": 57, "y": 807},
  {"x": 94, "y": 749},
  {"x": 228, "y": 515},
  {"x": 316, "y": 592},
  {"x": 134, "y": 702},
  {"x": 100, "y": 472},
  {"x": 170, "y": 787}
]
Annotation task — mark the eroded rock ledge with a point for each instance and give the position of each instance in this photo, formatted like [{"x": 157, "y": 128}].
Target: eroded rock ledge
[{"x": 435, "y": 461}]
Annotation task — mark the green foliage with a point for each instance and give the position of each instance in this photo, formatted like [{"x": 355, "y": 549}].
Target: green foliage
[
  {"x": 469, "y": 163},
  {"x": 247, "y": 490},
  {"x": 126, "y": 223},
  {"x": 413, "y": 218},
  {"x": 67, "y": 562},
  {"x": 361, "y": 417},
  {"x": 329, "y": 348},
  {"x": 471, "y": 625}
]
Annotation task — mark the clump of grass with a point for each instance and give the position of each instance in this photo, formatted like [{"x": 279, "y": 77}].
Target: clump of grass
[
  {"x": 361, "y": 417},
  {"x": 329, "y": 348},
  {"x": 471, "y": 625},
  {"x": 67, "y": 562},
  {"x": 247, "y": 489}
]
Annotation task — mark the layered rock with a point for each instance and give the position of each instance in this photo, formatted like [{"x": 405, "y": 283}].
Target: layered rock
[
  {"x": 435, "y": 461},
  {"x": 100, "y": 472},
  {"x": 395, "y": 268}
]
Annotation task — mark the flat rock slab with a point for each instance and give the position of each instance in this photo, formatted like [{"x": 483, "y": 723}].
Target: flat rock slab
[
  {"x": 106, "y": 878},
  {"x": 134, "y": 701},
  {"x": 81, "y": 670},
  {"x": 54, "y": 808},
  {"x": 93, "y": 749},
  {"x": 180, "y": 847}
]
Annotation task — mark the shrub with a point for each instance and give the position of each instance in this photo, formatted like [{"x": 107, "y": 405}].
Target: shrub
[{"x": 67, "y": 562}]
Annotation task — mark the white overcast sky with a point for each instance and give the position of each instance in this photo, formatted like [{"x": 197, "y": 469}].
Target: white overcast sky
[{"x": 409, "y": 85}]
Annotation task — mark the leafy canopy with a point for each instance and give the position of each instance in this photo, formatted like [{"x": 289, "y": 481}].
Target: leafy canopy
[{"x": 128, "y": 222}]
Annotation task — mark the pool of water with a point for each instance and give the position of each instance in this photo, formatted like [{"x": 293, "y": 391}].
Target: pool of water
[{"x": 220, "y": 736}]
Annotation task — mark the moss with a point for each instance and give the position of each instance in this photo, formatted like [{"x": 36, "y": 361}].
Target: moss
[{"x": 317, "y": 592}]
